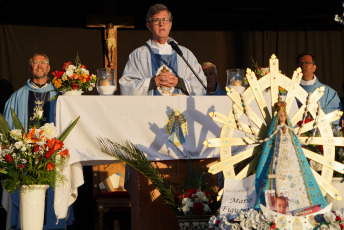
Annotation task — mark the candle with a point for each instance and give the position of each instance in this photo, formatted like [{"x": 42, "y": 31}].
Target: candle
[
  {"x": 237, "y": 82},
  {"x": 104, "y": 83}
]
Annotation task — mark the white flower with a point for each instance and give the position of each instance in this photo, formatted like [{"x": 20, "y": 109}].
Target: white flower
[
  {"x": 324, "y": 227},
  {"x": 330, "y": 217},
  {"x": 85, "y": 71},
  {"x": 50, "y": 130},
  {"x": 23, "y": 148},
  {"x": 16, "y": 133},
  {"x": 69, "y": 73},
  {"x": 185, "y": 209},
  {"x": 246, "y": 224},
  {"x": 265, "y": 71},
  {"x": 71, "y": 67},
  {"x": 206, "y": 208},
  {"x": 18, "y": 144},
  {"x": 335, "y": 226}
]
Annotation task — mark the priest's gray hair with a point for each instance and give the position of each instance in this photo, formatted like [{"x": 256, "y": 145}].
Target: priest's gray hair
[
  {"x": 38, "y": 54},
  {"x": 155, "y": 9}
]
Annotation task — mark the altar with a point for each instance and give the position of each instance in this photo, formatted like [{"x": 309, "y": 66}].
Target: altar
[{"x": 143, "y": 121}]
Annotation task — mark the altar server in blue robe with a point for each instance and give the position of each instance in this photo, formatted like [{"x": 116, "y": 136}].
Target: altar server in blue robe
[
  {"x": 330, "y": 101},
  {"x": 155, "y": 66},
  {"x": 34, "y": 96}
]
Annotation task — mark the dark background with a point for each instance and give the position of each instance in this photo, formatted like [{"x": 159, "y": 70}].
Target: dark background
[{"x": 227, "y": 33}]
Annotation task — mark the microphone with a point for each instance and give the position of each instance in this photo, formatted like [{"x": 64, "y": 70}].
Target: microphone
[{"x": 176, "y": 48}]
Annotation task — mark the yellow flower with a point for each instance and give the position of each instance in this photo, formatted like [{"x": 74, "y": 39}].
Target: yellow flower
[
  {"x": 57, "y": 83},
  {"x": 64, "y": 77}
]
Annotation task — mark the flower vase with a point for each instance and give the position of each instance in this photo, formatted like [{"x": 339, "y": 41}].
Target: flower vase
[
  {"x": 74, "y": 92},
  {"x": 32, "y": 202},
  {"x": 193, "y": 222},
  {"x": 338, "y": 183}
]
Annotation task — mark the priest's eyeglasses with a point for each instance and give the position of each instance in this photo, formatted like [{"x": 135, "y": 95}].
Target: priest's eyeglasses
[
  {"x": 40, "y": 62},
  {"x": 157, "y": 21},
  {"x": 305, "y": 62}
]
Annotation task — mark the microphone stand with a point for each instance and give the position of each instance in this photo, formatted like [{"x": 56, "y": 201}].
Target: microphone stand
[
  {"x": 187, "y": 63},
  {"x": 176, "y": 48}
]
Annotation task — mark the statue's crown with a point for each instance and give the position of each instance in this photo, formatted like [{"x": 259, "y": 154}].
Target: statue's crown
[{"x": 280, "y": 105}]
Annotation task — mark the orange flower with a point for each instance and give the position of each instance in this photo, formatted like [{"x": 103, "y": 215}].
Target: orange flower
[
  {"x": 75, "y": 76},
  {"x": 64, "y": 153},
  {"x": 54, "y": 144},
  {"x": 50, "y": 166}
]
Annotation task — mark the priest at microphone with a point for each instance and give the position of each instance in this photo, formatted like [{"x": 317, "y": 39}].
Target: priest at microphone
[{"x": 156, "y": 68}]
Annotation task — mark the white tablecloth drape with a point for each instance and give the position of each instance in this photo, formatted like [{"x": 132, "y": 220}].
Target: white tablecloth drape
[{"x": 141, "y": 120}]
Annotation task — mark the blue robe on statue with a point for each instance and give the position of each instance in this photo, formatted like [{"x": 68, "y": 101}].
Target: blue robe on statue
[
  {"x": 22, "y": 102},
  {"x": 274, "y": 155}
]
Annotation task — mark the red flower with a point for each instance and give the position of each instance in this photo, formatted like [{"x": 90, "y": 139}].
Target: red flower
[
  {"x": 21, "y": 166},
  {"x": 273, "y": 226},
  {"x": 74, "y": 86},
  {"x": 50, "y": 166},
  {"x": 341, "y": 226},
  {"x": 8, "y": 158},
  {"x": 49, "y": 153},
  {"x": 64, "y": 153},
  {"x": 338, "y": 218},
  {"x": 58, "y": 74},
  {"x": 306, "y": 121},
  {"x": 65, "y": 65},
  {"x": 198, "y": 208},
  {"x": 55, "y": 144},
  {"x": 36, "y": 148},
  {"x": 321, "y": 148},
  {"x": 208, "y": 194}
]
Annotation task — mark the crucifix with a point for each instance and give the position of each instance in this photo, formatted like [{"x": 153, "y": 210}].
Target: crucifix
[{"x": 110, "y": 22}]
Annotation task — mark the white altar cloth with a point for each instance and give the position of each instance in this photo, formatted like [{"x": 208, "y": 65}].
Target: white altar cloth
[{"x": 141, "y": 120}]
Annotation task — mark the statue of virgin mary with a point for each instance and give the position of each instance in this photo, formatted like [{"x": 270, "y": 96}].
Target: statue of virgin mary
[{"x": 283, "y": 167}]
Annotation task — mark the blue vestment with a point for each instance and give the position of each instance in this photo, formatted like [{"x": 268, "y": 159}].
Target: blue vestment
[
  {"x": 267, "y": 166},
  {"x": 329, "y": 101},
  {"x": 138, "y": 72},
  {"x": 19, "y": 102}
]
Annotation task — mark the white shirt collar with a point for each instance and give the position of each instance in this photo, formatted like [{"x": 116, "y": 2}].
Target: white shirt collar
[
  {"x": 161, "y": 48},
  {"x": 311, "y": 82}
]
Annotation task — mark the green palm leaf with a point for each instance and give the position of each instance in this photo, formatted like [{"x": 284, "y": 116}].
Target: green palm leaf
[{"x": 134, "y": 157}]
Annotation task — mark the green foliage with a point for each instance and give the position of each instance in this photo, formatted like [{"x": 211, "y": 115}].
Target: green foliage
[{"x": 134, "y": 157}]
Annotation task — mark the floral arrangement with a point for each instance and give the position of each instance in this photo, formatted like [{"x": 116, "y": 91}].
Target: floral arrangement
[
  {"x": 261, "y": 72},
  {"x": 257, "y": 220},
  {"x": 193, "y": 202},
  {"x": 33, "y": 157},
  {"x": 73, "y": 77}
]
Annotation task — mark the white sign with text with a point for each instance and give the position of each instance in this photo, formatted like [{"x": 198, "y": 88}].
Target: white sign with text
[{"x": 238, "y": 195}]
